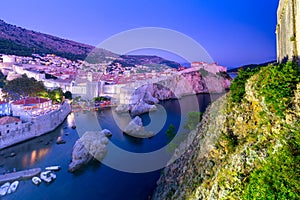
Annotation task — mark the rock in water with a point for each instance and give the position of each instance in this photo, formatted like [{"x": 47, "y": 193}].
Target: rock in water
[
  {"x": 135, "y": 128},
  {"x": 91, "y": 145},
  {"x": 141, "y": 108},
  {"x": 122, "y": 108}
]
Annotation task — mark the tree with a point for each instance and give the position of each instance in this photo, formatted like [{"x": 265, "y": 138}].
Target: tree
[
  {"x": 23, "y": 87},
  {"x": 68, "y": 95},
  {"x": 55, "y": 95},
  {"x": 2, "y": 80},
  {"x": 170, "y": 133},
  {"x": 193, "y": 119}
]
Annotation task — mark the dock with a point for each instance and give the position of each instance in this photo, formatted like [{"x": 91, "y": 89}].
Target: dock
[{"x": 19, "y": 175}]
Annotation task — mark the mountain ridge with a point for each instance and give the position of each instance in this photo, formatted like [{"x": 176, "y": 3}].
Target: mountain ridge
[{"x": 22, "y": 42}]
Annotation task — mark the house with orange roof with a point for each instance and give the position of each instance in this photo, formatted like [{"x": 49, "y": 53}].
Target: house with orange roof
[
  {"x": 30, "y": 106},
  {"x": 9, "y": 125}
]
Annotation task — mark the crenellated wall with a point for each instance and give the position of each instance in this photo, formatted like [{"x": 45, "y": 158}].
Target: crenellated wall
[{"x": 288, "y": 30}]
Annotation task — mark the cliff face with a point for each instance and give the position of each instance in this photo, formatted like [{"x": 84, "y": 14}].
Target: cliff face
[
  {"x": 244, "y": 148},
  {"x": 288, "y": 30},
  {"x": 191, "y": 82},
  {"x": 139, "y": 97}
]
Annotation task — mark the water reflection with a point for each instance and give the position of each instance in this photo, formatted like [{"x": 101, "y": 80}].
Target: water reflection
[
  {"x": 27, "y": 154},
  {"x": 30, "y": 159}
]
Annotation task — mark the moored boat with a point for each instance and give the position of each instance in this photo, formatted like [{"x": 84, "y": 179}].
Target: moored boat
[
  {"x": 36, "y": 180},
  {"x": 13, "y": 187},
  {"x": 4, "y": 188},
  {"x": 53, "y": 168},
  {"x": 47, "y": 176}
]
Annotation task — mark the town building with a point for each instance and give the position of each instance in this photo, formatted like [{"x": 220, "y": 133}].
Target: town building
[
  {"x": 9, "y": 125},
  {"x": 30, "y": 106},
  {"x": 5, "y": 108}
]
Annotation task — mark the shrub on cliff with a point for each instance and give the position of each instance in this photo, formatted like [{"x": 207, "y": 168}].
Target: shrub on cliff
[
  {"x": 193, "y": 119},
  {"x": 237, "y": 87},
  {"x": 278, "y": 177},
  {"x": 277, "y": 84}
]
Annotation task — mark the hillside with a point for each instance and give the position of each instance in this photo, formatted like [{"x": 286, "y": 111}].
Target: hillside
[
  {"x": 19, "y": 41},
  {"x": 247, "y": 145},
  {"x": 251, "y": 66}
]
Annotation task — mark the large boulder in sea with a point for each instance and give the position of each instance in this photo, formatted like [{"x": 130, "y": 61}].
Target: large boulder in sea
[
  {"x": 91, "y": 145},
  {"x": 122, "y": 108},
  {"x": 135, "y": 128},
  {"x": 142, "y": 107}
]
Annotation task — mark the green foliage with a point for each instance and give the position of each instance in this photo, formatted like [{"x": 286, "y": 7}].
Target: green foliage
[
  {"x": 237, "y": 87},
  {"x": 23, "y": 87},
  {"x": 68, "y": 95},
  {"x": 170, "y": 133},
  {"x": 277, "y": 84},
  {"x": 278, "y": 178},
  {"x": 101, "y": 98},
  {"x": 2, "y": 80},
  {"x": 16, "y": 48},
  {"x": 11, "y": 47},
  {"x": 224, "y": 75},
  {"x": 55, "y": 95},
  {"x": 292, "y": 38},
  {"x": 203, "y": 72},
  {"x": 193, "y": 119}
]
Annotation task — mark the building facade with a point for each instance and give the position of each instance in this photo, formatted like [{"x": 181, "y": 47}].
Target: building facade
[
  {"x": 5, "y": 108},
  {"x": 288, "y": 30}
]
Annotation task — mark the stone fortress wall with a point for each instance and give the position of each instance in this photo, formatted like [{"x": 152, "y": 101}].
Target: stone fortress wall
[{"x": 288, "y": 30}]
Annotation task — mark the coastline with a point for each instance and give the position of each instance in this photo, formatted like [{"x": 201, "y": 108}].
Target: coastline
[{"x": 39, "y": 126}]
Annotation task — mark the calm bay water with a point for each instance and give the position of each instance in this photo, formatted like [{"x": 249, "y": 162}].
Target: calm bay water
[{"x": 95, "y": 181}]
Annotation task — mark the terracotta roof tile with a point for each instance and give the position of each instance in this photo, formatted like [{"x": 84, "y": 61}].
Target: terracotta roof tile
[{"x": 8, "y": 120}]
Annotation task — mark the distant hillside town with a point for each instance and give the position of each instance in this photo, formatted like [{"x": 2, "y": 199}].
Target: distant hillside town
[
  {"x": 25, "y": 117},
  {"x": 88, "y": 80}
]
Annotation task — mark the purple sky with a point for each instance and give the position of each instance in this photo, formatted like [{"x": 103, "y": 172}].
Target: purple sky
[{"x": 234, "y": 32}]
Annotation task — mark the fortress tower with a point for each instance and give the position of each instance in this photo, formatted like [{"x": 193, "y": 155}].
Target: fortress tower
[{"x": 288, "y": 30}]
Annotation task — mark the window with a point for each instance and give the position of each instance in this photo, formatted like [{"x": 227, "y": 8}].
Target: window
[{"x": 7, "y": 131}]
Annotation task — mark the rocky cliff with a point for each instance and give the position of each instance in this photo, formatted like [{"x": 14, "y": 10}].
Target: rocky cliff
[
  {"x": 288, "y": 30},
  {"x": 187, "y": 82},
  {"x": 247, "y": 145}
]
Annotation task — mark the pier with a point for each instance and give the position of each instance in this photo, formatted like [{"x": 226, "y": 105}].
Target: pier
[{"x": 9, "y": 177}]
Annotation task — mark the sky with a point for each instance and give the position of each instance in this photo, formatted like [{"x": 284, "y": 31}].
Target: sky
[{"x": 233, "y": 32}]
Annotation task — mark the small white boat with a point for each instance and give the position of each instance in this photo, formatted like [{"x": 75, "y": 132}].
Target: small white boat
[
  {"x": 53, "y": 168},
  {"x": 4, "y": 188},
  {"x": 36, "y": 180},
  {"x": 13, "y": 187},
  {"x": 47, "y": 176}
]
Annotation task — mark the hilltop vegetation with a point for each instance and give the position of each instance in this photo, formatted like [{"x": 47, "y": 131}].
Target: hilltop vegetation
[
  {"x": 247, "y": 145},
  {"x": 22, "y": 42},
  {"x": 28, "y": 87}
]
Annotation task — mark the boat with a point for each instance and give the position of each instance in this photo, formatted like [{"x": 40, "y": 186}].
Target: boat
[
  {"x": 13, "y": 187},
  {"x": 47, "y": 176},
  {"x": 53, "y": 168},
  {"x": 4, "y": 188},
  {"x": 36, "y": 180}
]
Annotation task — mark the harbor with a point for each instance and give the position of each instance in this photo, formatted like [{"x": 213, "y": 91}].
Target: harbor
[{"x": 43, "y": 151}]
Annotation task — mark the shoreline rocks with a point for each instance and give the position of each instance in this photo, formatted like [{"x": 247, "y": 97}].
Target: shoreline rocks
[
  {"x": 142, "y": 98},
  {"x": 135, "y": 129},
  {"x": 91, "y": 145}
]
